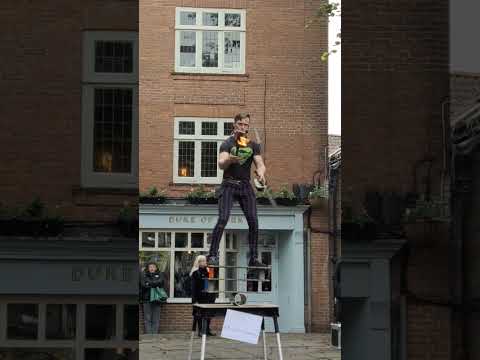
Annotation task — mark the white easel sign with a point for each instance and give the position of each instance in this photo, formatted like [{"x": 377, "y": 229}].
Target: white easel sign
[{"x": 242, "y": 327}]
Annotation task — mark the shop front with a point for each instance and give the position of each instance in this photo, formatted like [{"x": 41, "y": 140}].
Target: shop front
[
  {"x": 68, "y": 299},
  {"x": 173, "y": 235}
]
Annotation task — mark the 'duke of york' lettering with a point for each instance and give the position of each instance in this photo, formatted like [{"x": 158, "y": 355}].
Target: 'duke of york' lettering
[{"x": 108, "y": 273}]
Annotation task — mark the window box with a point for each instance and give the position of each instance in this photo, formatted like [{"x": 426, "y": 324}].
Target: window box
[
  {"x": 206, "y": 200},
  {"x": 152, "y": 199},
  {"x": 286, "y": 201}
]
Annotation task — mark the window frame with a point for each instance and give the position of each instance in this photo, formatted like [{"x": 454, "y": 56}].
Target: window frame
[
  {"x": 92, "y": 80},
  {"x": 221, "y": 29},
  {"x": 89, "y": 74},
  {"x": 198, "y": 138}
]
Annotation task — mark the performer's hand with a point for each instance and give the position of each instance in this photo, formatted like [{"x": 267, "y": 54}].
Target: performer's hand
[
  {"x": 234, "y": 159},
  {"x": 260, "y": 176}
]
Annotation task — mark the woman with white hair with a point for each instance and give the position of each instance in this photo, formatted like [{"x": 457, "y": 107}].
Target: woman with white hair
[{"x": 199, "y": 278}]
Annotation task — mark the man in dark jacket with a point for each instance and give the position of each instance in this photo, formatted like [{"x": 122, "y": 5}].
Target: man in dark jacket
[{"x": 150, "y": 278}]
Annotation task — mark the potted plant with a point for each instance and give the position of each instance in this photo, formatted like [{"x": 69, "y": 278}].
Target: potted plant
[
  {"x": 200, "y": 195},
  {"x": 152, "y": 196},
  {"x": 127, "y": 220},
  {"x": 263, "y": 197},
  {"x": 285, "y": 197},
  {"x": 357, "y": 226},
  {"x": 318, "y": 197},
  {"x": 425, "y": 223}
]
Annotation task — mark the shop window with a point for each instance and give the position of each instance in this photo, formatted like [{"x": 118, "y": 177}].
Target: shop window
[
  {"x": 210, "y": 41},
  {"x": 22, "y": 320},
  {"x": 175, "y": 258},
  {"x": 61, "y": 321},
  {"x": 100, "y": 322},
  {"x": 148, "y": 239},
  {"x": 111, "y": 354},
  {"x": 130, "y": 322}
]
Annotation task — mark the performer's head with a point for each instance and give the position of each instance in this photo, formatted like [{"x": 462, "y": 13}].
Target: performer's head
[{"x": 241, "y": 123}]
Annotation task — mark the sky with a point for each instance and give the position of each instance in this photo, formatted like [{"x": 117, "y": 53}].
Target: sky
[
  {"x": 334, "y": 78},
  {"x": 464, "y": 30}
]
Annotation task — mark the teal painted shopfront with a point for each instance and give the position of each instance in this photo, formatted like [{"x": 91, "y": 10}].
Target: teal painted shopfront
[{"x": 174, "y": 234}]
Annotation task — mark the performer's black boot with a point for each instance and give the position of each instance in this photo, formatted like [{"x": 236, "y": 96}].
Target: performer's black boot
[
  {"x": 212, "y": 260},
  {"x": 254, "y": 262}
]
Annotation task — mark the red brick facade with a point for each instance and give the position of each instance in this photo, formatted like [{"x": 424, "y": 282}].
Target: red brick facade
[
  {"x": 394, "y": 79},
  {"x": 284, "y": 88},
  {"x": 42, "y": 102}
]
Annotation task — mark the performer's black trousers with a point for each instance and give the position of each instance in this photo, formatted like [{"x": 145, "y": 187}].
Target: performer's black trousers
[{"x": 242, "y": 192}]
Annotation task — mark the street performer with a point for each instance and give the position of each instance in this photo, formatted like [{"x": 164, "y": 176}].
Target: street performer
[{"x": 235, "y": 159}]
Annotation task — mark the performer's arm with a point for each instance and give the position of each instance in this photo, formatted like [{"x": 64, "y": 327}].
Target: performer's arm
[
  {"x": 260, "y": 167},
  {"x": 225, "y": 159}
]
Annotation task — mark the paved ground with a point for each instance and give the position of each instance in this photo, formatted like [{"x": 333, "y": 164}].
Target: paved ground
[{"x": 295, "y": 347}]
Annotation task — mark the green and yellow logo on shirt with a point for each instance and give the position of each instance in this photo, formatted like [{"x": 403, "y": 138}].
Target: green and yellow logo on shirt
[{"x": 243, "y": 152}]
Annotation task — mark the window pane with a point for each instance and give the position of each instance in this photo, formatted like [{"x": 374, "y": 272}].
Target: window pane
[
  {"x": 232, "y": 50},
  {"x": 22, "y": 321},
  {"x": 186, "y": 128},
  {"x": 186, "y": 158},
  {"x": 61, "y": 321},
  {"x": 188, "y": 18},
  {"x": 164, "y": 239},
  {"x": 232, "y": 20},
  {"x": 267, "y": 260},
  {"x": 210, "y": 49},
  {"x": 148, "y": 239},
  {"x": 114, "y": 56},
  {"x": 112, "y": 130},
  {"x": 210, "y": 19},
  {"x": 130, "y": 322},
  {"x": 209, "y": 159},
  {"x": 111, "y": 354},
  {"x": 187, "y": 48},
  {"x": 209, "y": 128},
  {"x": 183, "y": 264},
  {"x": 197, "y": 240},
  {"x": 231, "y": 273},
  {"x": 100, "y": 322},
  {"x": 181, "y": 240},
  {"x": 36, "y": 354},
  {"x": 227, "y": 128}
]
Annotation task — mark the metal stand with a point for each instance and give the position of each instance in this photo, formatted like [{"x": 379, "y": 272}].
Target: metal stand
[
  {"x": 264, "y": 341},
  {"x": 204, "y": 338},
  {"x": 277, "y": 333},
  {"x": 194, "y": 328}
]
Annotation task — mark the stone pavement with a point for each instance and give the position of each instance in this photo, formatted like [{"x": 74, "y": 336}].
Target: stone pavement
[{"x": 174, "y": 346}]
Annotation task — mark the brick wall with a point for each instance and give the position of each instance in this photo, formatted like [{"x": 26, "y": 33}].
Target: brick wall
[
  {"x": 284, "y": 76},
  {"x": 40, "y": 131},
  {"x": 296, "y": 88},
  {"x": 394, "y": 79}
]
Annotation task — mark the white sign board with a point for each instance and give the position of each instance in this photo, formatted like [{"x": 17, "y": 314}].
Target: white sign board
[{"x": 242, "y": 326}]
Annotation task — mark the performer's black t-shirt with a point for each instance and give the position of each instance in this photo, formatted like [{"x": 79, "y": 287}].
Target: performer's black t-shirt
[{"x": 241, "y": 170}]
